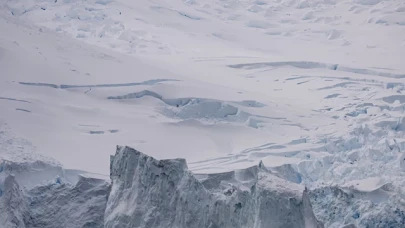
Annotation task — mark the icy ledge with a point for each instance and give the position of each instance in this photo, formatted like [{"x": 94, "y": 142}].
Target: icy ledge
[
  {"x": 157, "y": 194},
  {"x": 148, "y": 193}
]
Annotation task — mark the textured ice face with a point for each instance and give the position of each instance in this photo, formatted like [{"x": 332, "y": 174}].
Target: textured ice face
[
  {"x": 64, "y": 205},
  {"x": 49, "y": 204},
  {"x": 145, "y": 192},
  {"x": 149, "y": 193},
  {"x": 338, "y": 207},
  {"x": 12, "y": 204}
]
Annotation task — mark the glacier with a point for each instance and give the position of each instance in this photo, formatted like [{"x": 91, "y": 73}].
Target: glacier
[
  {"x": 150, "y": 193},
  {"x": 52, "y": 202},
  {"x": 147, "y": 193},
  {"x": 288, "y": 113}
]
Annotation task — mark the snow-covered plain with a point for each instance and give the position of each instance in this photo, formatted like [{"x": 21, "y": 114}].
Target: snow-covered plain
[{"x": 315, "y": 89}]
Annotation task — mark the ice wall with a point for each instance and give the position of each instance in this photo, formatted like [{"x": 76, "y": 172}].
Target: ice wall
[{"x": 150, "y": 193}]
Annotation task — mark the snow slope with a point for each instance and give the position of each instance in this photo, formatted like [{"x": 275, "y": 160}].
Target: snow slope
[{"x": 314, "y": 89}]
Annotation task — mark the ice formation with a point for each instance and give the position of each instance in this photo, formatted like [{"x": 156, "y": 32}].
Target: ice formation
[
  {"x": 147, "y": 193},
  {"x": 218, "y": 83},
  {"x": 150, "y": 193}
]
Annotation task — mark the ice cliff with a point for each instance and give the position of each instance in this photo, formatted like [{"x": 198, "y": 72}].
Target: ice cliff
[
  {"x": 52, "y": 203},
  {"x": 145, "y": 192},
  {"x": 155, "y": 194},
  {"x": 337, "y": 206},
  {"x": 12, "y": 205}
]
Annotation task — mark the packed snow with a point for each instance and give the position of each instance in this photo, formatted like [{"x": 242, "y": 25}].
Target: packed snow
[{"x": 314, "y": 89}]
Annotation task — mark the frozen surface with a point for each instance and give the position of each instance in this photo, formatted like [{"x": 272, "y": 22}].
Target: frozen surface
[{"x": 315, "y": 89}]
